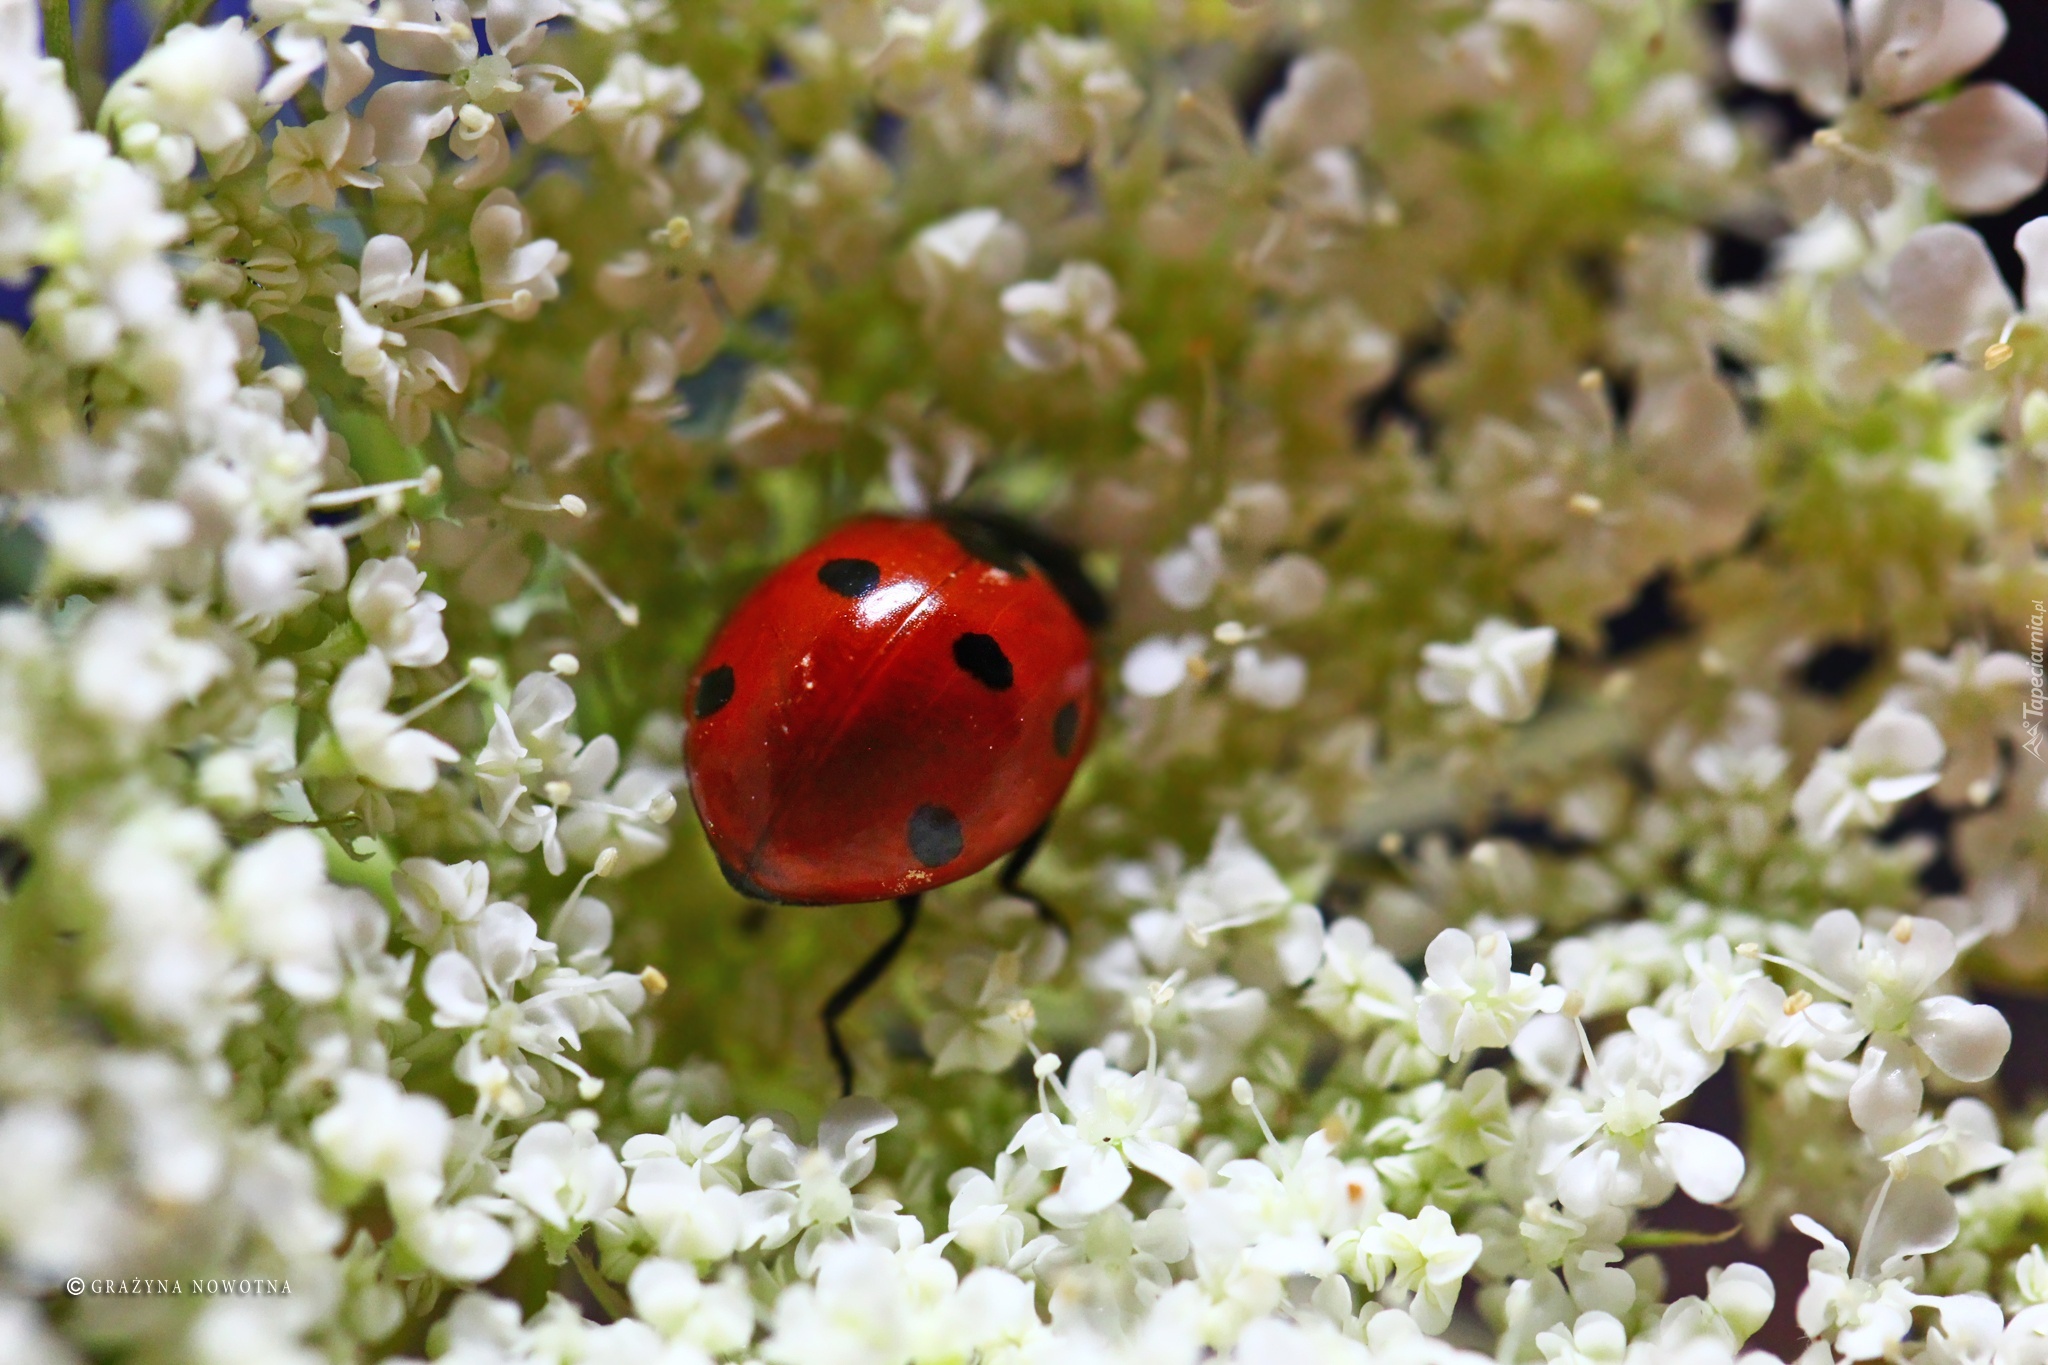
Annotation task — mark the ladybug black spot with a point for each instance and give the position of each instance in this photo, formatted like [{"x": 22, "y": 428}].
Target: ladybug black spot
[
  {"x": 1066, "y": 726},
  {"x": 714, "y": 690},
  {"x": 935, "y": 835},
  {"x": 854, "y": 578},
  {"x": 980, "y": 656}
]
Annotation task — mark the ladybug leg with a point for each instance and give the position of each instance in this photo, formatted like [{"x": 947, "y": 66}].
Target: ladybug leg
[
  {"x": 1012, "y": 875},
  {"x": 857, "y": 985}
]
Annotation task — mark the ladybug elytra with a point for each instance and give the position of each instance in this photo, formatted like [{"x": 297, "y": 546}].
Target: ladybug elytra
[{"x": 893, "y": 709}]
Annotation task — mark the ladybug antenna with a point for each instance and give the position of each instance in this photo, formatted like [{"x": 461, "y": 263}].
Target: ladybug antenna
[{"x": 1010, "y": 542}]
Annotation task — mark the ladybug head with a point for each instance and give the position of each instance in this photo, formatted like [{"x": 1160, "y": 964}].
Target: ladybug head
[{"x": 1012, "y": 543}]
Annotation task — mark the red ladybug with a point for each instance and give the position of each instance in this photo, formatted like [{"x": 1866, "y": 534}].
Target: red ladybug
[{"x": 894, "y": 709}]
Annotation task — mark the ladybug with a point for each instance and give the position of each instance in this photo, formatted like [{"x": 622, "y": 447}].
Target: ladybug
[{"x": 894, "y": 709}]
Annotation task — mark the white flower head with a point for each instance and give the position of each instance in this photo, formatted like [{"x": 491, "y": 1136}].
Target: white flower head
[
  {"x": 1424, "y": 1256},
  {"x": 822, "y": 1177},
  {"x": 131, "y": 664},
  {"x": 376, "y": 1131},
  {"x": 1069, "y": 321},
  {"x": 517, "y": 273},
  {"x": 276, "y": 897},
  {"x": 715, "y": 1316},
  {"x": 199, "y": 84},
  {"x": 1500, "y": 672},
  {"x": 1473, "y": 997},
  {"x": 1187, "y": 576},
  {"x": 1884, "y": 977},
  {"x": 388, "y": 601},
  {"x": 1160, "y": 665},
  {"x": 563, "y": 1174},
  {"x": 1119, "y": 1121},
  {"x": 378, "y": 744},
  {"x": 959, "y": 262},
  {"x": 1894, "y": 754},
  {"x": 1610, "y": 1146},
  {"x": 1987, "y": 145}
]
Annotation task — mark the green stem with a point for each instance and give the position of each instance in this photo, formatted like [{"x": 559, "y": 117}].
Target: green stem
[
  {"x": 176, "y": 13},
  {"x": 601, "y": 1289},
  {"x": 57, "y": 38},
  {"x": 1676, "y": 1237},
  {"x": 90, "y": 46}
]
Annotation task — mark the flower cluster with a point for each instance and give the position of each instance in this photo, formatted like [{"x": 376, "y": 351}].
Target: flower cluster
[{"x": 1572, "y": 727}]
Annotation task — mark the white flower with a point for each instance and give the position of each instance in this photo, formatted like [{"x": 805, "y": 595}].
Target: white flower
[
  {"x": 1975, "y": 696},
  {"x": 1294, "y": 1211},
  {"x": 268, "y": 577},
  {"x": 1611, "y": 1146},
  {"x": 400, "y": 619},
  {"x": 716, "y": 1317},
  {"x": 198, "y": 85},
  {"x": 531, "y": 751},
  {"x": 27, "y": 1339},
  {"x": 782, "y": 418},
  {"x": 278, "y": 903},
  {"x": 504, "y": 984},
  {"x": 1359, "y": 985},
  {"x": 131, "y": 664},
  {"x": 1473, "y": 998},
  {"x": 89, "y": 539},
  {"x": 1733, "y": 1004},
  {"x": 1595, "y": 1339},
  {"x": 821, "y": 1177},
  {"x": 377, "y": 743},
  {"x": 1237, "y": 887},
  {"x": 1946, "y": 294},
  {"x": 927, "y": 50},
  {"x": 1201, "y": 1029},
  {"x": 403, "y": 367},
  {"x": 1119, "y": 1121},
  {"x": 310, "y": 164},
  {"x": 640, "y": 99},
  {"x": 959, "y": 262},
  {"x": 1079, "y": 95},
  {"x": 2025, "y": 1341},
  {"x": 308, "y": 36},
  {"x": 1187, "y": 576},
  {"x": 563, "y": 1174},
  {"x": 1323, "y": 104},
  {"x": 463, "y": 1242},
  {"x": 439, "y": 900},
  {"x": 1425, "y": 1256},
  {"x": 1987, "y": 145},
  {"x": 694, "y": 1212},
  {"x": 1894, "y": 754},
  {"x": 517, "y": 274},
  {"x": 1500, "y": 672},
  {"x": 59, "y": 1218},
  {"x": 1069, "y": 320},
  {"x": 860, "y": 1309},
  {"x": 1272, "y": 682},
  {"x": 376, "y": 1131},
  {"x": 990, "y": 1216},
  {"x": 629, "y": 816},
  {"x": 994, "y": 1020},
  {"x": 1868, "y": 1308},
  {"x": 1885, "y": 976},
  {"x": 1156, "y": 667}
]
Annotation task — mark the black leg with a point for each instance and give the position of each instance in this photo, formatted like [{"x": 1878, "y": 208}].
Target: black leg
[
  {"x": 1012, "y": 876},
  {"x": 855, "y": 986}
]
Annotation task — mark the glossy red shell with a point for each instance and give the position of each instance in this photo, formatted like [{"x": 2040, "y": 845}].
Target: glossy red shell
[{"x": 859, "y": 748}]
